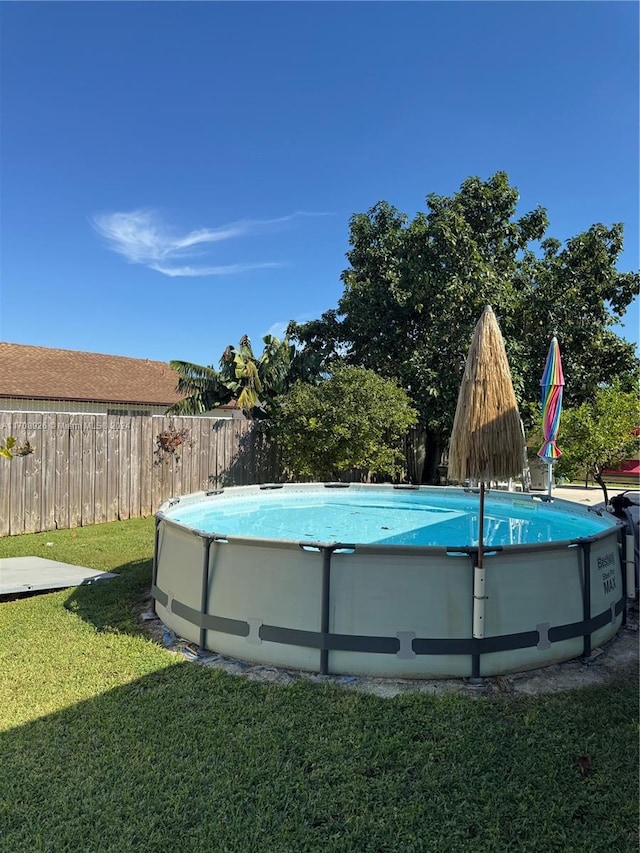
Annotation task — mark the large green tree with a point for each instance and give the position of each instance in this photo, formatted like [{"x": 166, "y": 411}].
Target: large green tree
[
  {"x": 576, "y": 292},
  {"x": 354, "y": 419},
  {"x": 414, "y": 290}
]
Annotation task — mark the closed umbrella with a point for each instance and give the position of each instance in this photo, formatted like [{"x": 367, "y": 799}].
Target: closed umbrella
[
  {"x": 487, "y": 441},
  {"x": 552, "y": 383}
]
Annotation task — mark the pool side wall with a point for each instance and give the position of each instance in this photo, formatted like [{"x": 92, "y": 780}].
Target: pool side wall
[{"x": 382, "y": 610}]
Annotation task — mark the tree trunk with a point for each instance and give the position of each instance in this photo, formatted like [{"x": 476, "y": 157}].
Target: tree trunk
[
  {"x": 423, "y": 452},
  {"x": 431, "y": 462},
  {"x": 415, "y": 452},
  {"x": 597, "y": 476}
]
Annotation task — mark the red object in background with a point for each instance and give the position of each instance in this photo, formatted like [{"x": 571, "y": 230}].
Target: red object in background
[
  {"x": 631, "y": 467},
  {"x": 628, "y": 468}
]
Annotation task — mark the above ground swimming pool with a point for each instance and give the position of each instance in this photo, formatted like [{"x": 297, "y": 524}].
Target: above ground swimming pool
[{"x": 382, "y": 580}]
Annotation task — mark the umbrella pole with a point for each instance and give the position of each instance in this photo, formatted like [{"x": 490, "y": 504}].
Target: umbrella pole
[
  {"x": 549, "y": 477},
  {"x": 481, "y": 525},
  {"x": 479, "y": 597}
]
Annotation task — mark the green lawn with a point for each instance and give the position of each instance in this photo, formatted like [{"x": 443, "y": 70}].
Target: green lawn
[{"x": 110, "y": 743}]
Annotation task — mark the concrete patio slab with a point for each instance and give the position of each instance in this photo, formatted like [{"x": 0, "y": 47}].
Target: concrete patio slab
[
  {"x": 36, "y": 574},
  {"x": 589, "y": 496}
]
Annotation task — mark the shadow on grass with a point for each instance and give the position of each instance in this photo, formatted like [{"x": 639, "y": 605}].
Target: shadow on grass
[
  {"x": 185, "y": 759},
  {"x": 116, "y": 604}
]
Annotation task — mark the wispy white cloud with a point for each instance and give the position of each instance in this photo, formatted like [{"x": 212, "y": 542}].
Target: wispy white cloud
[
  {"x": 142, "y": 238},
  {"x": 229, "y": 269}
]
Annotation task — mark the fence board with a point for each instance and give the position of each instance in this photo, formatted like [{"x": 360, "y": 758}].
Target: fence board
[
  {"x": 75, "y": 470},
  {"x": 161, "y": 482},
  {"x": 213, "y": 476},
  {"x": 205, "y": 456},
  {"x": 186, "y": 458},
  {"x": 61, "y": 484},
  {"x": 124, "y": 468},
  {"x": 20, "y": 435},
  {"x": 88, "y": 482},
  {"x": 233, "y": 456},
  {"x": 175, "y": 461},
  {"x": 16, "y": 508},
  {"x": 146, "y": 465},
  {"x": 156, "y": 472},
  {"x": 48, "y": 473},
  {"x": 223, "y": 453},
  {"x": 32, "y": 468},
  {"x": 135, "y": 452},
  {"x": 100, "y": 469},
  {"x": 113, "y": 467},
  {"x": 6, "y": 422}
]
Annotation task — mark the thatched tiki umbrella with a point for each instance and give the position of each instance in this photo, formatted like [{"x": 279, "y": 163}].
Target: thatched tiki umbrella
[{"x": 487, "y": 442}]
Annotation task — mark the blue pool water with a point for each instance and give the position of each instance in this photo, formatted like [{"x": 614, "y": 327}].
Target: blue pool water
[{"x": 387, "y": 517}]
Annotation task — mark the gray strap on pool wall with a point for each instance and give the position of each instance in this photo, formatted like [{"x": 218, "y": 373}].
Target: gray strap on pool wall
[
  {"x": 291, "y": 636},
  {"x": 159, "y": 595},
  {"x": 578, "y": 629},
  {"x": 237, "y": 627}
]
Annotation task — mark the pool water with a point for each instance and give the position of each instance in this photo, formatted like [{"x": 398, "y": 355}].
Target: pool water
[{"x": 387, "y": 518}]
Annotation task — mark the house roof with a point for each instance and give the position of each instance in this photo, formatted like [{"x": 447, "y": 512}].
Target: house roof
[{"x": 30, "y": 372}]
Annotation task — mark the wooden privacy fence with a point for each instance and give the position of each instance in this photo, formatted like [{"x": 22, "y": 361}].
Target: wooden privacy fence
[{"x": 87, "y": 469}]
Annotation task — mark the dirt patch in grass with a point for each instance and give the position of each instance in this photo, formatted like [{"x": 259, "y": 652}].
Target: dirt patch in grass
[{"x": 615, "y": 660}]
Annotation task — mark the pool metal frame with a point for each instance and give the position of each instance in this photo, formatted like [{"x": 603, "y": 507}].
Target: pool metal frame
[{"x": 405, "y": 645}]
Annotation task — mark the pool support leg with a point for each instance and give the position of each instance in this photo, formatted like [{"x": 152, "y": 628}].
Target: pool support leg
[
  {"x": 475, "y": 657},
  {"x": 630, "y": 566},
  {"x": 586, "y": 596},
  {"x": 479, "y": 597},
  {"x": 205, "y": 589},
  {"x": 324, "y": 610},
  {"x": 154, "y": 565}
]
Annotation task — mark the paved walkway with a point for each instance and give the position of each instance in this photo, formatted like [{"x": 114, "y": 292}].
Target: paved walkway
[{"x": 590, "y": 496}]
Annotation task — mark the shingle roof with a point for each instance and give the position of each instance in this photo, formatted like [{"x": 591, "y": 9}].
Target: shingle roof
[{"x": 56, "y": 374}]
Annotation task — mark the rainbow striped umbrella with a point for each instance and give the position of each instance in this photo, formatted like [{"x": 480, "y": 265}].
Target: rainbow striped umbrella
[{"x": 552, "y": 383}]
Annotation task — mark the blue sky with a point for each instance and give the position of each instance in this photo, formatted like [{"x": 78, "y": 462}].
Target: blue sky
[{"x": 177, "y": 174}]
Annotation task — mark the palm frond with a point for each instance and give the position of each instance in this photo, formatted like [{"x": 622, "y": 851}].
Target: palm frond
[
  {"x": 186, "y": 370},
  {"x": 202, "y": 389}
]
